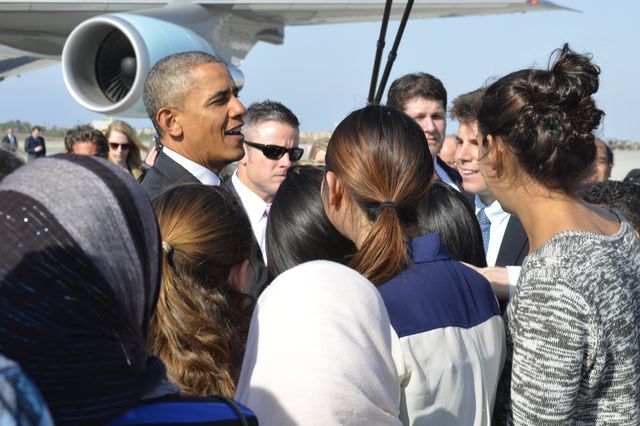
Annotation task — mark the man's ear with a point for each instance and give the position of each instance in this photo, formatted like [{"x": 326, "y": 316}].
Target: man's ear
[
  {"x": 244, "y": 159},
  {"x": 168, "y": 122},
  {"x": 335, "y": 191},
  {"x": 241, "y": 276}
]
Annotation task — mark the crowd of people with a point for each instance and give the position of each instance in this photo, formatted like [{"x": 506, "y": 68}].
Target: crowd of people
[{"x": 389, "y": 278}]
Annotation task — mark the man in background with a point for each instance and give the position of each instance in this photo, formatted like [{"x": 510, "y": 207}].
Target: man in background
[
  {"x": 504, "y": 238},
  {"x": 272, "y": 136},
  {"x": 448, "y": 151},
  {"x": 9, "y": 141},
  {"x": 423, "y": 97},
  {"x": 85, "y": 140},
  {"x": 193, "y": 105},
  {"x": 603, "y": 163},
  {"x": 34, "y": 145}
]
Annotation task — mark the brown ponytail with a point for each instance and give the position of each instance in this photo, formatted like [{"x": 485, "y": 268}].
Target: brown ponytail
[{"x": 382, "y": 158}]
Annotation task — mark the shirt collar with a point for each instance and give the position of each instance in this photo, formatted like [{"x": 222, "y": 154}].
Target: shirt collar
[
  {"x": 493, "y": 211},
  {"x": 204, "y": 175},
  {"x": 253, "y": 204},
  {"x": 428, "y": 248}
]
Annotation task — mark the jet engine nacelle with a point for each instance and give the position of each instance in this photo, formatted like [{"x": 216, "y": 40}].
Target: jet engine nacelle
[{"x": 106, "y": 59}]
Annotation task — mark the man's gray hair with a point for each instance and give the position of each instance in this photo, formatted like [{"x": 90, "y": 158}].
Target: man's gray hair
[
  {"x": 170, "y": 80},
  {"x": 268, "y": 111}
]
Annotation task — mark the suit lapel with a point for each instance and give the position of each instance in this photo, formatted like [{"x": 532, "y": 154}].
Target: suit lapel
[{"x": 515, "y": 244}]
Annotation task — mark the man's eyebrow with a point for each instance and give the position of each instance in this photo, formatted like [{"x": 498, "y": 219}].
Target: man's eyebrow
[{"x": 220, "y": 94}]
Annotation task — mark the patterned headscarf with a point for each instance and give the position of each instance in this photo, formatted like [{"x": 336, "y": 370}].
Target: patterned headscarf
[{"x": 79, "y": 280}]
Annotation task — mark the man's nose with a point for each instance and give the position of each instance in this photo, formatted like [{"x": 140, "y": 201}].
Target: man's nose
[{"x": 236, "y": 108}]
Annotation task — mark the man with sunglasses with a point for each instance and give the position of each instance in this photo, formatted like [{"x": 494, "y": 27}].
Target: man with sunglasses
[
  {"x": 271, "y": 148},
  {"x": 193, "y": 104}
]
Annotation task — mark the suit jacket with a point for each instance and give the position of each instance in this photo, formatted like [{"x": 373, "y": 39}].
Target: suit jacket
[
  {"x": 515, "y": 245},
  {"x": 163, "y": 175},
  {"x": 10, "y": 144},
  {"x": 453, "y": 174},
  {"x": 262, "y": 272},
  {"x": 30, "y": 144}
]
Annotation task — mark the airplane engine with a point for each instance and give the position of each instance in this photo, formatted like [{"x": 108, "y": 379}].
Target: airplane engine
[{"x": 105, "y": 60}]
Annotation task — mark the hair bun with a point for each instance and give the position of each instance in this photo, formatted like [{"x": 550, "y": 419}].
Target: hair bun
[{"x": 575, "y": 76}]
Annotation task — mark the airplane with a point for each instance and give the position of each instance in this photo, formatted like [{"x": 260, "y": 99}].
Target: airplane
[{"x": 107, "y": 47}]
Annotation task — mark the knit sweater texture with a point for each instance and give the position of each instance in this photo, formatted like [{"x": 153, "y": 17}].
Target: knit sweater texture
[{"x": 573, "y": 334}]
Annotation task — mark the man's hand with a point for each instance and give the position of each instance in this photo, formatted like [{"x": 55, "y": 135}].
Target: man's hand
[
  {"x": 150, "y": 159},
  {"x": 498, "y": 277},
  {"x": 38, "y": 148}
]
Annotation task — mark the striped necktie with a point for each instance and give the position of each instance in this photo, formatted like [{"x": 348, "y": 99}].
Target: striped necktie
[{"x": 485, "y": 228}]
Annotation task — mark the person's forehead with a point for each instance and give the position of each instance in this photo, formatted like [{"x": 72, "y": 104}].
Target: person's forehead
[
  {"x": 116, "y": 136},
  {"x": 468, "y": 128},
  {"x": 274, "y": 132},
  {"x": 424, "y": 104},
  {"x": 86, "y": 148},
  {"x": 211, "y": 73}
]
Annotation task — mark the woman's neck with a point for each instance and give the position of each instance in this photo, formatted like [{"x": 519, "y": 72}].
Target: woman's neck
[{"x": 546, "y": 213}]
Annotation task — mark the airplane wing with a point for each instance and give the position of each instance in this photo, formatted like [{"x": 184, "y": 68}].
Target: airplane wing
[{"x": 95, "y": 38}]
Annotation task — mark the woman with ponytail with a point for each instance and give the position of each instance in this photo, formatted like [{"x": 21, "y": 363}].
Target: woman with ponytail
[
  {"x": 574, "y": 323},
  {"x": 202, "y": 319},
  {"x": 444, "y": 314}
]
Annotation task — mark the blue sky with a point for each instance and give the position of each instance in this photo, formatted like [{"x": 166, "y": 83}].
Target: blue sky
[{"x": 323, "y": 72}]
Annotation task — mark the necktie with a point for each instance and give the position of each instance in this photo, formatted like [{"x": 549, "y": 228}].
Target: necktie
[
  {"x": 266, "y": 211},
  {"x": 485, "y": 228}
]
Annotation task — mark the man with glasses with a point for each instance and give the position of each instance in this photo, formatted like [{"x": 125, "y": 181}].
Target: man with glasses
[
  {"x": 192, "y": 102},
  {"x": 271, "y": 148}
]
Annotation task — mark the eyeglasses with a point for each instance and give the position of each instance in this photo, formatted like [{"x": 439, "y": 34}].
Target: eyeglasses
[
  {"x": 275, "y": 152},
  {"x": 114, "y": 146}
]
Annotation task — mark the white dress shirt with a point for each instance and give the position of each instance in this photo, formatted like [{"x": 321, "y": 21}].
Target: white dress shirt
[
  {"x": 499, "y": 220},
  {"x": 444, "y": 177},
  {"x": 256, "y": 211},
  {"x": 204, "y": 175}
]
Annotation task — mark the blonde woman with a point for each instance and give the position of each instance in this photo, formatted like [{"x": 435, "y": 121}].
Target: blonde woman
[{"x": 124, "y": 147}]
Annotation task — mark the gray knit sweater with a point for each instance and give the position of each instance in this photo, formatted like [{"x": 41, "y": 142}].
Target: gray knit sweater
[{"x": 574, "y": 334}]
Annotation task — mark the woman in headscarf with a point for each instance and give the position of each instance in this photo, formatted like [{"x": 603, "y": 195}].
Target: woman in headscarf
[{"x": 79, "y": 281}]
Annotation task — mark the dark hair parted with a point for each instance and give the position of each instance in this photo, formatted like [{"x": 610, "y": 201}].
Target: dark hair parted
[
  {"x": 201, "y": 322},
  {"x": 624, "y": 196},
  {"x": 298, "y": 229},
  {"x": 86, "y": 134},
  {"x": 466, "y": 107},
  {"x": 446, "y": 211},
  {"x": 417, "y": 85},
  {"x": 381, "y": 157},
  {"x": 547, "y": 118}
]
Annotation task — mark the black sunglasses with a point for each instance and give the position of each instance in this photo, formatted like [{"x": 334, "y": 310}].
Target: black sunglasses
[{"x": 275, "y": 152}]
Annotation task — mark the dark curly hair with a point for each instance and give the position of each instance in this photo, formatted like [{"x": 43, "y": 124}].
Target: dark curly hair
[{"x": 547, "y": 119}]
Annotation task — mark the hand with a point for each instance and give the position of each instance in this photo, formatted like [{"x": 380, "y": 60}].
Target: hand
[
  {"x": 498, "y": 277},
  {"x": 150, "y": 159},
  {"x": 38, "y": 148}
]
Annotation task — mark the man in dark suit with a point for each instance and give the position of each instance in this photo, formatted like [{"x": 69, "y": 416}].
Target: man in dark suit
[
  {"x": 504, "y": 238},
  {"x": 423, "y": 97},
  {"x": 9, "y": 141},
  {"x": 34, "y": 145},
  {"x": 193, "y": 105},
  {"x": 271, "y": 148}
]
